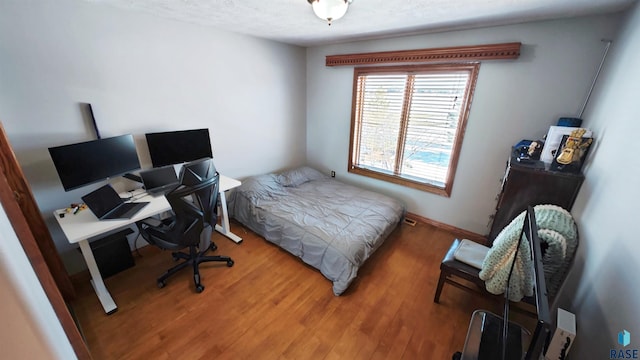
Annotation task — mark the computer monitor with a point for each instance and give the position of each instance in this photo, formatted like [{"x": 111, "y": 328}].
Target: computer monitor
[
  {"x": 88, "y": 162},
  {"x": 175, "y": 147},
  {"x": 544, "y": 326}
]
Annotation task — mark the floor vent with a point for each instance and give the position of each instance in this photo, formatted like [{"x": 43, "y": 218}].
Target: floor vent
[{"x": 409, "y": 222}]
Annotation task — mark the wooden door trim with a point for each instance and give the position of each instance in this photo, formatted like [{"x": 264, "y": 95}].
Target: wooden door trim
[
  {"x": 18, "y": 203},
  {"x": 23, "y": 195},
  {"x": 24, "y": 234}
]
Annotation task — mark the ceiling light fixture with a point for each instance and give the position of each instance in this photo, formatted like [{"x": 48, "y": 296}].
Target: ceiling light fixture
[{"x": 330, "y": 10}]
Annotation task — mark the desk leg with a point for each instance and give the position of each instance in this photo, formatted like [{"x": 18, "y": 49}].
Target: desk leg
[
  {"x": 96, "y": 279},
  {"x": 225, "y": 229}
]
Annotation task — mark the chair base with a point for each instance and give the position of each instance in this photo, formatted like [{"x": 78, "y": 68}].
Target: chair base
[{"x": 194, "y": 258}]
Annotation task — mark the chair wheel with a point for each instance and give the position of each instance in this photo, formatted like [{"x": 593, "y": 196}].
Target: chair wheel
[
  {"x": 230, "y": 263},
  {"x": 199, "y": 288},
  {"x": 175, "y": 257},
  {"x": 213, "y": 247},
  {"x": 161, "y": 284}
]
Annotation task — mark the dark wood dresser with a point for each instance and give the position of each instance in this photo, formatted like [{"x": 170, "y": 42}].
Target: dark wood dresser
[{"x": 532, "y": 183}]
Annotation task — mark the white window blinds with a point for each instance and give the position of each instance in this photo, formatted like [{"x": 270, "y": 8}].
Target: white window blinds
[{"x": 407, "y": 123}]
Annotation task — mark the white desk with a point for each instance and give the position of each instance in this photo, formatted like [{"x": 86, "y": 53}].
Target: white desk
[
  {"x": 80, "y": 227},
  {"x": 227, "y": 183}
]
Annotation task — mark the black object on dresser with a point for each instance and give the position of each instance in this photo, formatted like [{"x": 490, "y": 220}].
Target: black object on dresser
[{"x": 532, "y": 183}]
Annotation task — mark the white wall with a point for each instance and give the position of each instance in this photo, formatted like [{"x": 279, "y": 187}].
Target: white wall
[
  {"x": 142, "y": 74},
  {"x": 514, "y": 100},
  {"x": 603, "y": 287}
]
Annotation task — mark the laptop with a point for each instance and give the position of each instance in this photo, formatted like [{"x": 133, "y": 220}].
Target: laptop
[
  {"x": 159, "y": 181},
  {"x": 106, "y": 204}
]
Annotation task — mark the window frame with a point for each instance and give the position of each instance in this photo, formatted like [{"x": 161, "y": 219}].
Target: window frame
[{"x": 472, "y": 67}]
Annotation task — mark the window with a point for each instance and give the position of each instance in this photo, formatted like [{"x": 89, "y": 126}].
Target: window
[{"x": 408, "y": 122}]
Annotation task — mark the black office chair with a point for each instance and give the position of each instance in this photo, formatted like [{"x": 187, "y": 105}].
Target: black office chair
[{"x": 194, "y": 205}]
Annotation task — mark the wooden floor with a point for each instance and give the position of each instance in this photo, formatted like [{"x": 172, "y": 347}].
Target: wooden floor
[{"x": 270, "y": 305}]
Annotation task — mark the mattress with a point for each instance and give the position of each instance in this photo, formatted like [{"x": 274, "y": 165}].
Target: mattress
[{"x": 332, "y": 226}]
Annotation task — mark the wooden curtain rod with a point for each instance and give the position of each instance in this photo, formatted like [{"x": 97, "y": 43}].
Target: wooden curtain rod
[{"x": 457, "y": 53}]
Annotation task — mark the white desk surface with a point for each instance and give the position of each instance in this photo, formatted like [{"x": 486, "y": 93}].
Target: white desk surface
[
  {"x": 78, "y": 228},
  {"x": 85, "y": 224},
  {"x": 227, "y": 183}
]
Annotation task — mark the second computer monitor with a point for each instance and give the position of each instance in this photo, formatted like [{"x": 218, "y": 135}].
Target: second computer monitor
[
  {"x": 175, "y": 147},
  {"x": 88, "y": 162}
]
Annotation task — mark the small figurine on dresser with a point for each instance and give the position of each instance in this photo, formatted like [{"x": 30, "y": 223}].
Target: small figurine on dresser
[
  {"x": 535, "y": 149},
  {"x": 572, "y": 152}
]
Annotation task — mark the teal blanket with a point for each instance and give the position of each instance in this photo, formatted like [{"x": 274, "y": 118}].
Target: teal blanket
[{"x": 556, "y": 229}]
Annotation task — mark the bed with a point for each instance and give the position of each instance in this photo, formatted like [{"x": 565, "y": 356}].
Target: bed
[{"x": 330, "y": 225}]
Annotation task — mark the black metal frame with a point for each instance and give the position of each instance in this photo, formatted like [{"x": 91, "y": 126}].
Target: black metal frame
[{"x": 543, "y": 328}]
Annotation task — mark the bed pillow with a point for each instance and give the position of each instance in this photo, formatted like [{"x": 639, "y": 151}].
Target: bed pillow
[
  {"x": 260, "y": 187},
  {"x": 298, "y": 176}
]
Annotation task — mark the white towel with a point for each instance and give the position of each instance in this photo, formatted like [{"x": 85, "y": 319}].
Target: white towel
[{"x": 471, "y": 253}]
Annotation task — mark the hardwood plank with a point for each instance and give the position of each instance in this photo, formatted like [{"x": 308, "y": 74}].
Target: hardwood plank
[{"x": 270, "y": 305}]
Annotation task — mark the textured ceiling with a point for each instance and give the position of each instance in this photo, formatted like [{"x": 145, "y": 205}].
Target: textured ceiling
[{"x": 293, "y": 21}]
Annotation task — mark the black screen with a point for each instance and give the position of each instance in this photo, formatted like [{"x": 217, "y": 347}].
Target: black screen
[
  {"x": 88, "y": 162},
  {"x": 540, "y": 337},
  {"x": 175, "y": 147}
]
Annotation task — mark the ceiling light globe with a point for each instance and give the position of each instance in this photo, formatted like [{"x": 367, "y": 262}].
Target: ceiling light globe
[{"x": 330, "y": 10}]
